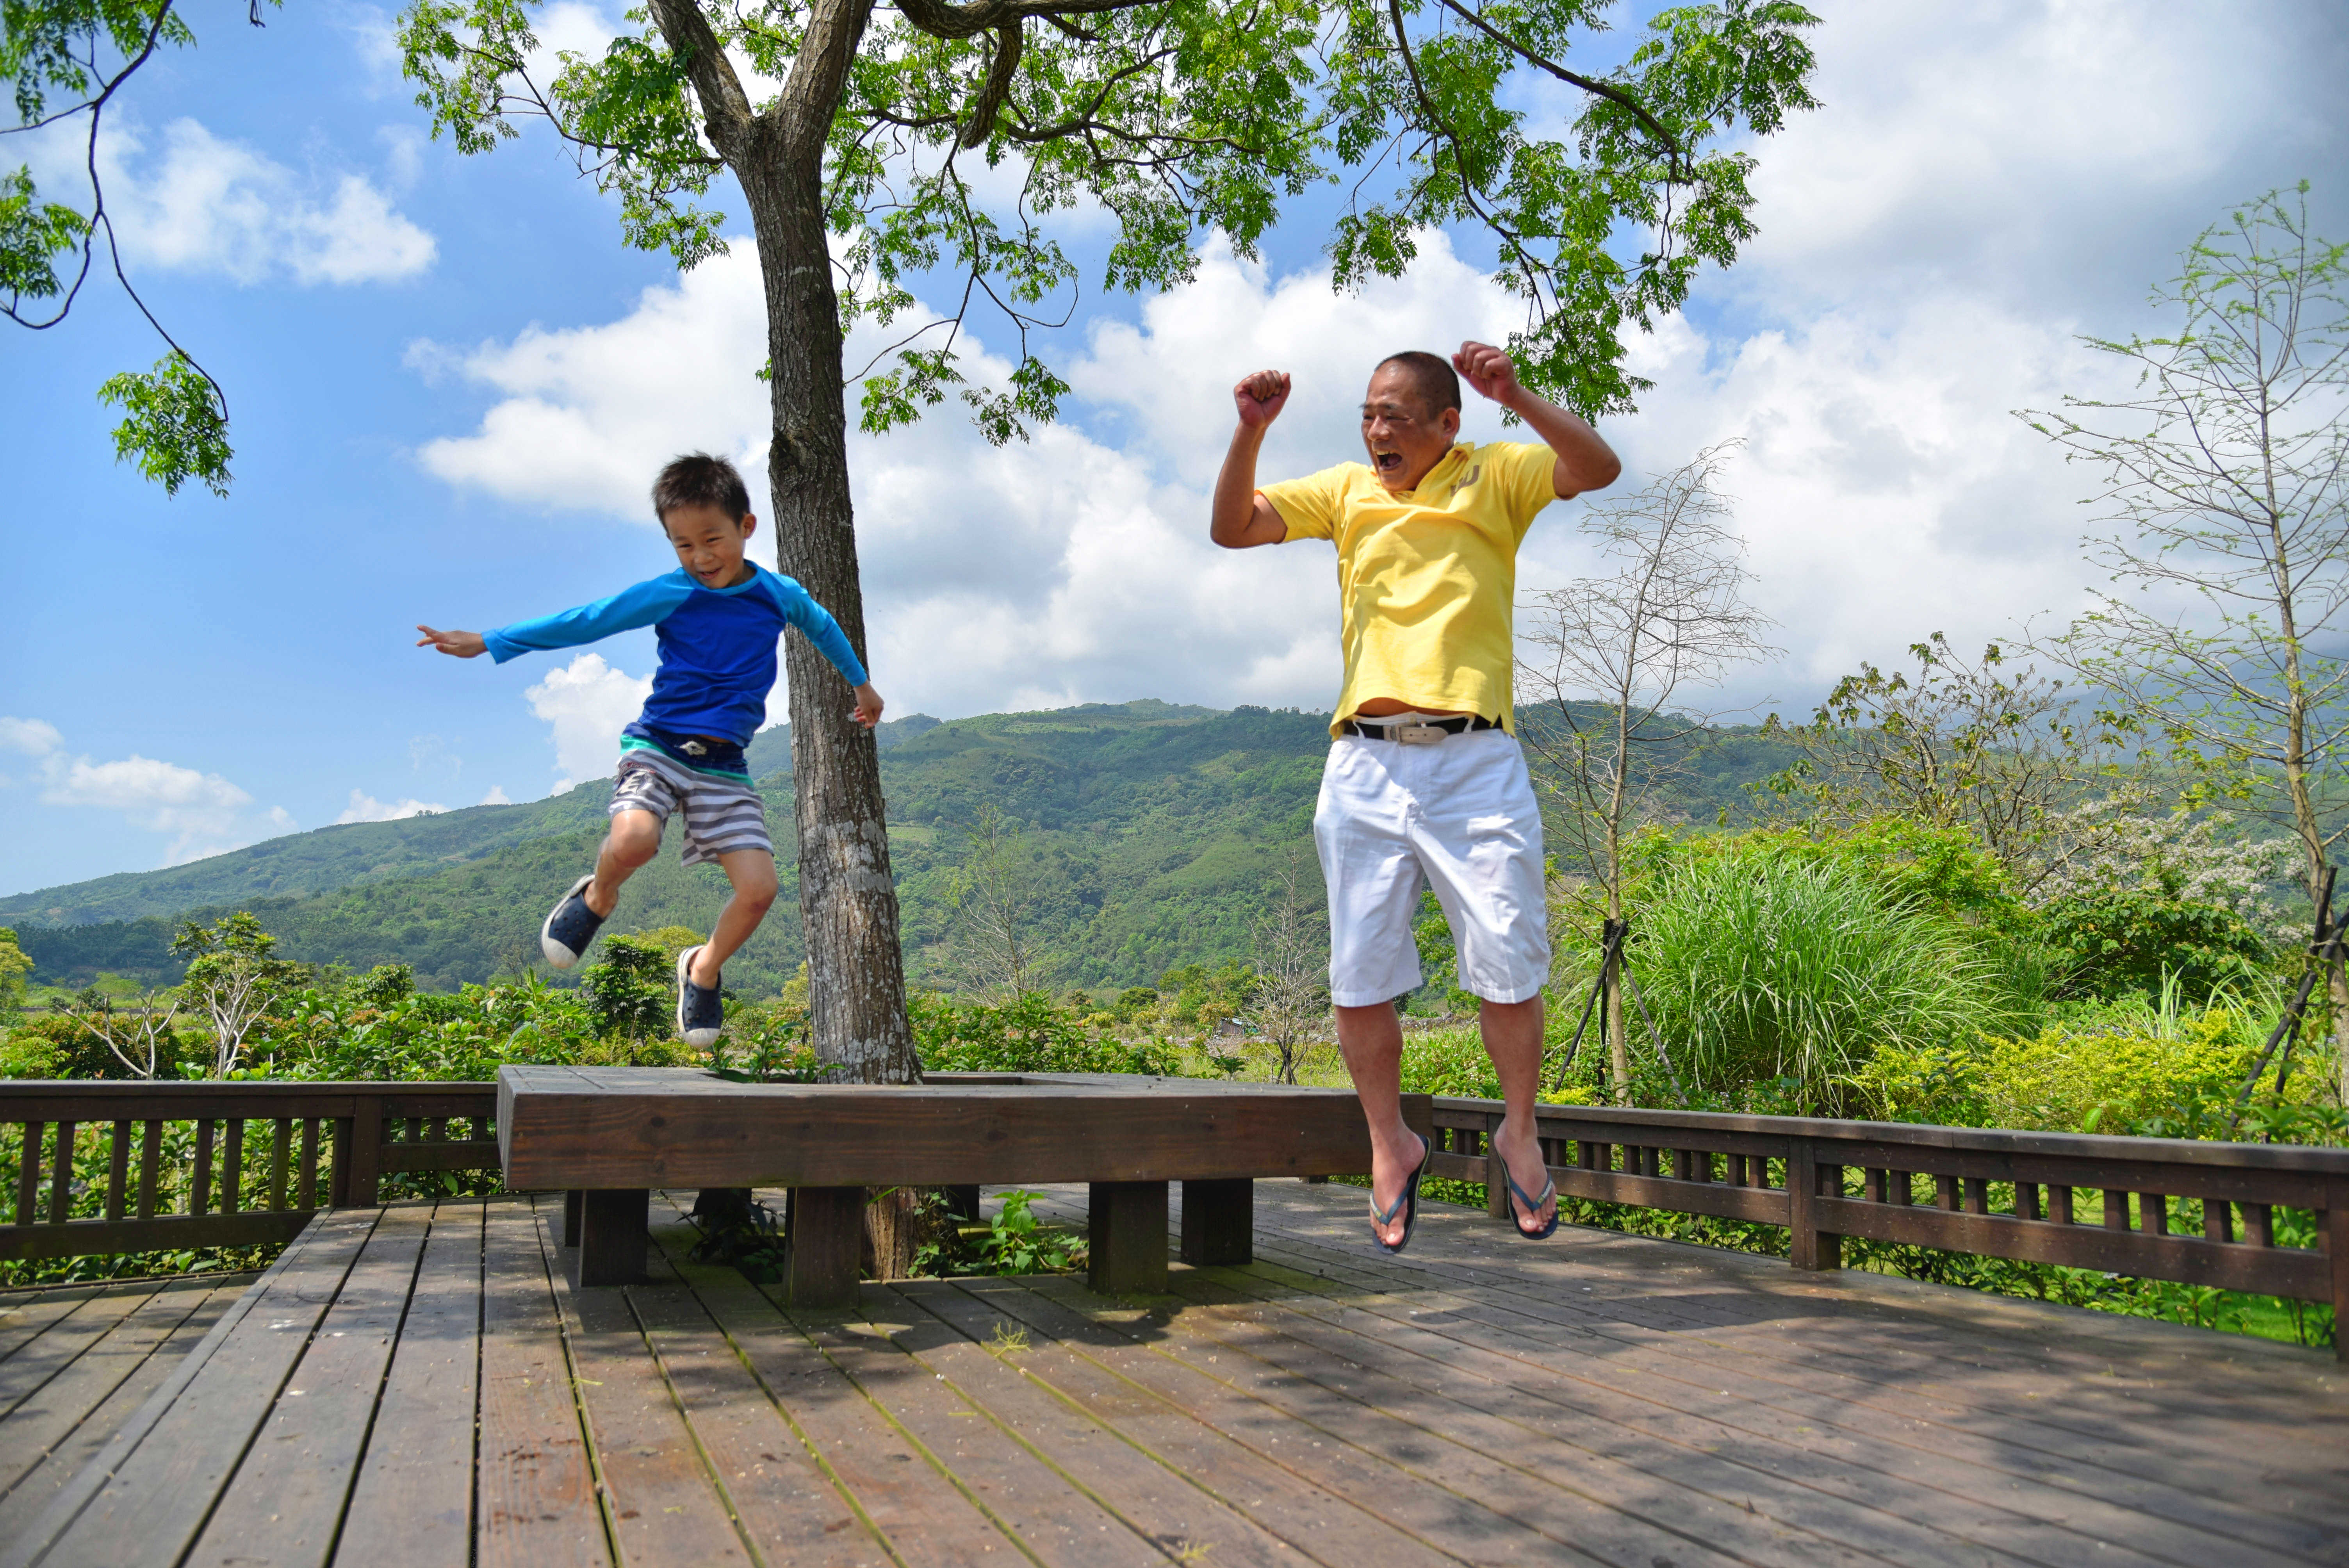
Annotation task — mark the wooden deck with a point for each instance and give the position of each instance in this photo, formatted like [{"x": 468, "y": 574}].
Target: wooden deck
[{"x": 417, "y": 1384}]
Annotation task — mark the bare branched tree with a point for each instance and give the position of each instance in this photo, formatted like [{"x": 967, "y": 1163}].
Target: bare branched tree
[
  {"x": 1292, "y": 966},
  {"x": 994, "y": 898},
  {"x": 1995, "y": 749},
  {"x": 1673, "y": 617},
  {"x": 2228, "y": 475},
  {"x": 139, "y": 1035}
]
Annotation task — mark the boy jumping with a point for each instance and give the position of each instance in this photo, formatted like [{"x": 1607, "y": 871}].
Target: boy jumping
[{"x": 717, "y": 617}]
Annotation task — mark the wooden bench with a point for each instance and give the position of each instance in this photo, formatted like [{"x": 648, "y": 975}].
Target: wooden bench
[{"x": 606, "y": 1136}]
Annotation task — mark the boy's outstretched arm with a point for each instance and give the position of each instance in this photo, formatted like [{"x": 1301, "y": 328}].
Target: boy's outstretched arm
[{"x": 456, "y": 644}]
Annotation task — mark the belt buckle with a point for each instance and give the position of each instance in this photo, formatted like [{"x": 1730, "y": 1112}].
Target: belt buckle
[{"x": 1418, "y": 734}]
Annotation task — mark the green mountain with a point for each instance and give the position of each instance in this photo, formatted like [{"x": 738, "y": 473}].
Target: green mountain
[{"x": 1148, "y": 832}]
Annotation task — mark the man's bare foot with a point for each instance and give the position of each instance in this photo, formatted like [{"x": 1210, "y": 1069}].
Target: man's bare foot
[
  {"x": 1521, "y": 1155},
  {"x": 1391, "y": 1166}
]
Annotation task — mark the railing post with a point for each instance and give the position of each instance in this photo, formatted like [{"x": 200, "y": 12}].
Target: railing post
[
  {"x": 366, "y": 1153},
  {"x": 1496, "y": 1173},
  {"x": 2335, "y": 1236},
  {"x": 1807, "y": 1246}
]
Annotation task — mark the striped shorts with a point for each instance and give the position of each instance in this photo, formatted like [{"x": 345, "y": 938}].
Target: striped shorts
[{"x": 722, "y": 814}]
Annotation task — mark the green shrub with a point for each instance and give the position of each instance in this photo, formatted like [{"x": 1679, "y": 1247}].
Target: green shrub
[
  {"x": 1034, "y": 1034},
  {"x": 2118, "y": 940},
  {"x": 1771, "y": 965}
]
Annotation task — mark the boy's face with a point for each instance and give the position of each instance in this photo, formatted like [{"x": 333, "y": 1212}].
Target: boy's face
[{"x": 709, "y": 544}]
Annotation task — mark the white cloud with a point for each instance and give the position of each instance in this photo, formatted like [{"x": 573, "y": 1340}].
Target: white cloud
[
  {"x": 200, "y": 810},
  {"x": 496, "y": 797},
  {"x": 1931, "y": 241},
  {"x": 32, "y": 737},
  {"x": 205, "y": 204},
  {"x": 585, "y": 704},
  {"x": 366, "y": 808}
]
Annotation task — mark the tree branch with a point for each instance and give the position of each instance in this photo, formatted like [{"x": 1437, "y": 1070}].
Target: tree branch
[
  {"x": 940, "y": 19},
  {"x": 997, "y": 89},
  {"x": 1606, "y": 90},
  {"x": 726, "y": 109}
]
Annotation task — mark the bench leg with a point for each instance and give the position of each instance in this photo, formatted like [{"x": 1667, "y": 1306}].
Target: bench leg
[
  {"x": 1218, "y": 1222},
  {"x": 827, "y": 1247},
  {"x": 571, "y": 1206},
  {"x": 614, "y": 1233},
  {"x": 1125, "y": 1224}
]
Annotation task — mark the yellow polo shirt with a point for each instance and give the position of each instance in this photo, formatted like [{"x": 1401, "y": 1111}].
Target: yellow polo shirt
[{"x": 1427, "y": 579}]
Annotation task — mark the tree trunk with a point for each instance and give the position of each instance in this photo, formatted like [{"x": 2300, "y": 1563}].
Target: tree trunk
[{"x": 1619, "y": 1039}]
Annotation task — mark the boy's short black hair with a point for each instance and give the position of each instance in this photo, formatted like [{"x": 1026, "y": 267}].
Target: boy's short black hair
[
  {"x": 697, "y": 479},
  {"x": 1438, "y": 384}
]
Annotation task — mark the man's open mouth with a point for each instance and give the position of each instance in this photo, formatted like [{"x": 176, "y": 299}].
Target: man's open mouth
[{"x": 1387, "y": 462}]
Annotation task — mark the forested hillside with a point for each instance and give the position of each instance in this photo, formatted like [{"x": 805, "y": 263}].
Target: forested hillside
[{"x": 1146, "y": 834}]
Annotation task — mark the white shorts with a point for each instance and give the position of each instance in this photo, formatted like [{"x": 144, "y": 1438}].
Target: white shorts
[{"x": 1457, "y": 816}]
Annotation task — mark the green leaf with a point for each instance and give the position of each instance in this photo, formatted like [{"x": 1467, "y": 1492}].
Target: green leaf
[{"x": 176, "y": 423}]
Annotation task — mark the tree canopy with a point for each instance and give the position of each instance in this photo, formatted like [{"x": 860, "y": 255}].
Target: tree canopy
[{"x": 1179, "y": 118}]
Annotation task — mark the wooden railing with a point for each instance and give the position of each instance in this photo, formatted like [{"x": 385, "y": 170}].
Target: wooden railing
[
  {"x": 220, "y": 1164},
  {"x": 2203, "y": 1213}
]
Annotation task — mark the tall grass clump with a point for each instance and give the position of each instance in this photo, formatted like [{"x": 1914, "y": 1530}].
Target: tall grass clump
[{"x": 1761, "y": 967}]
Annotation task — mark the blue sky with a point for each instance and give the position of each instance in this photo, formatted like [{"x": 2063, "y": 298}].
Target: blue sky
[{"x": 450, "y": 382}]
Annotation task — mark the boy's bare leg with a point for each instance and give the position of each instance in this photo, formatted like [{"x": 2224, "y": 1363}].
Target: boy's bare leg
[
  {"x": 633, "y": 839},
  {"x": 1512, "y": 1038},
  {"x": 1371, "y": 1039},
  {"x": 753, "y": 873}
]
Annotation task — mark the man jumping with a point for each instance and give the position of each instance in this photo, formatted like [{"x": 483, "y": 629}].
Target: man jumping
[{"x": 1424, "y": 784}]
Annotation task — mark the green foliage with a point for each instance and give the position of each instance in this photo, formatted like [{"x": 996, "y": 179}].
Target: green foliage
[
  {"x": 632, "y": 992},
  {"x": 1760, "y": 965},
  {"x": 175, "y": 424},
  {"x": 33, "y": 232},
  {"x": 2116, "y": 940},
  {"x": 14, "y": 967},
  {"x": 1176, "y": 118},
  {"x": 1014, "y": 1242},
  {"x": 1033, "y": 1034}
]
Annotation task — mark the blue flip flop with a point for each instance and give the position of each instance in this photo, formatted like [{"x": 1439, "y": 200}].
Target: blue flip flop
[
  {"x": 1533, "y": 1205},
  {"x": 1406, "y": 1204}
]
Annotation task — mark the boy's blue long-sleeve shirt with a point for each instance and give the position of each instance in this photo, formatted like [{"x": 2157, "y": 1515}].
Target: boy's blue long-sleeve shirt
[{"x": 717, "y": 646}]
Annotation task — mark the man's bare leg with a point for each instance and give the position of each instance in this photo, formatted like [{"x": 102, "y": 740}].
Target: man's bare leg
[
  {"x": 1371, "y": 1041},
  {"x": 1512, "y": 1038},
  {"x": 633, "y": 839},
  {"x": 753, "y": 873}
]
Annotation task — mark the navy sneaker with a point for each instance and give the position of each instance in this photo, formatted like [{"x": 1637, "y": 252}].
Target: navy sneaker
[
  {"x": 571, "y": 927},
  {"x": 699, "y": 1014}
]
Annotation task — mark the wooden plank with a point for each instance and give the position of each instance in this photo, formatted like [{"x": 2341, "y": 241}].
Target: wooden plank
[
  {"x": 1923, "y": 1422},
  {"x": 26, "y": 1372},
  {"x": 1025, "y": 1499},
  {"x": 34, "y": 1490},
  {"x": 785, "y": 1501},
  {"x": 295, "y": 1484},
  {"x": 1244, "y": 1453},
  {"x": 412, "y": 1502},
  {"x": 1952, "y": 1320},
  {"x": 170, "y": 1233},
  {"x": 147, "y": 1492},
  {"x": 47, "y": 1416},
  {"x": 685, "y": 1128},
  {"x": 1496, "y": 1462},
  {"x": 1157, "y": 1501},
  {"x": 535, "y": 1500},
  {"x": 919, "y": 1512},
  {"x": 25, "y": 1314},
  {"x": 1919, "y": 1514},
  {"x": 661, "y": 1503}
]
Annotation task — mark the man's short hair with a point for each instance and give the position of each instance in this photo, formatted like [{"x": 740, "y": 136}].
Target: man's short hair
[
  {"x": 1438, "y": 383},
  {"x": 697, "y": 479}
]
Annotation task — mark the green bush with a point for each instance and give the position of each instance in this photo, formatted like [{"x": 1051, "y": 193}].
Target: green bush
[
  {"x": 1034, "y": 1034},
  {"x": 2119, "y": 941},
  {"x": 1770, "y": 966}
]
